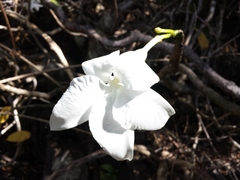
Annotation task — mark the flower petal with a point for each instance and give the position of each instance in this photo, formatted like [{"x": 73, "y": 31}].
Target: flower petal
[
  {"x": 101, "y": 67},
  {"x": 115, "y": 140},
  {"x": 133, "y": 72},
  {"x": 141, "y": 110},
  {"x": 75, "y": 104}
]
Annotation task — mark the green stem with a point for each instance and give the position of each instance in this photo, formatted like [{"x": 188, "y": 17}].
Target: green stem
[{"x": 159, "y": 30}]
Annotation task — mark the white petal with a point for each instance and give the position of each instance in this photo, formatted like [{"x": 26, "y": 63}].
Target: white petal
[
  {"x": 101, "y": 67},
  {"x": 133, "y": 72},
  {"x": 115, "y": 140},
  {"x": 75, "y": 104},
  {"x": 141, "y": 110}
]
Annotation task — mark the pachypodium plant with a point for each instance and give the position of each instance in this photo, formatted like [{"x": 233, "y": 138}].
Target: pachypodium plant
[{"x": 115, "y": 96}]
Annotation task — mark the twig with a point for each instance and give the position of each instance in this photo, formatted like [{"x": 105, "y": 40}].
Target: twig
[
  {"x": 47, "y": 122},
  {"x": 207, "y": 135},
  {"x": 224, "y": 45},
  {"x": 192, "y": 27},
  {"x": 213, "y": 95},
  {"x": 32, "y": 65},
  {"x": 196, "y": 138},
  {"x": 235, "y": 143},
  {"x": 9, "y": 126},
  {"x": 24, "y": 92},
  {"x": 18, "y": 125},
  {"x": 76, "y": 163},
  {"x": 53, "y": 45},
  {"x": 8, "y": 27},
  {"x": 187, "y": 14},
  {"x": 225, "y": 85},
  {"x": 34, "y": 118},
  {"x": 64, "y": 28},
  {"x": 15, "y": 113},
  {"x": 220, "y": 19},
  {"x": 22, "y": 76},
  {"x": 209, "y": 17},
  {"x": 145, "y": 151}
]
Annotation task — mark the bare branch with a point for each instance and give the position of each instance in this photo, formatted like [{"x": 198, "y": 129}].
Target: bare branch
[
  {"x": 24, "y": 92},
  {"x": 213, "y": 95},
  {"x": 53, "y": 45}
]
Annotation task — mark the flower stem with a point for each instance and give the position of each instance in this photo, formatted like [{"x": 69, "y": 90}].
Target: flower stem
[{"x": 155, "y": 40}]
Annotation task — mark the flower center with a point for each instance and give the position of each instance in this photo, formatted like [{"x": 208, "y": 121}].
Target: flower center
[{"x": 115, "y": 82}]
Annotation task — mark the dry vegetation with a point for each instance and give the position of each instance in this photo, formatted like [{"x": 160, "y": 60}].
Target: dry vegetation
[{"x": 42, "y": 49}]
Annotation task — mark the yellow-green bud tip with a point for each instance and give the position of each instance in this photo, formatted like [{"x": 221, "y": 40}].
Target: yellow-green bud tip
[{"x": 172, "y": 32}]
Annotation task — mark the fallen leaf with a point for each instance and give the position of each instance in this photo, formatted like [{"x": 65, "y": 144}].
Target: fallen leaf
[
  {"x": 203, "y": 41},
  {"x": 19, "y": 136},
  {"x": 4, "y": 114}
]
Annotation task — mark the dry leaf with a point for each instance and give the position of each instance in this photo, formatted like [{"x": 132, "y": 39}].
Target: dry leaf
[
  {"x": 19, "y": 136},
  {"x": 203, "y": 41},
  {"x": 4, "y": 114}
]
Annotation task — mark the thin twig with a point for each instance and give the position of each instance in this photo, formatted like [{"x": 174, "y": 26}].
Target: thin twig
[
  {"x": 196, "y": 138},
  {"x": 64, "y": 28},
  {"x": 47, "y": 122},
  {"x": 53, "y": 45},
  {"x": 24, "y": 92},
  {"x": 8, "y": 27},
  {"x": 9, "y": 126},
  {"x": 76, "y": 164},
  {"x": 22, "y": 76},
  {"x": 213, "y": 95},
  {"x": 209, "y": 17},
  {"x": 207, "y": 135},
  {"x": 32, "y": 65},
  {"x": 225, "y": 85},
  {"x": 235, "y": 143}
]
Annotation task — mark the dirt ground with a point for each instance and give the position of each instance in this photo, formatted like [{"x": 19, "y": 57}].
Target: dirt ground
[{"x": 39, "y": 40}]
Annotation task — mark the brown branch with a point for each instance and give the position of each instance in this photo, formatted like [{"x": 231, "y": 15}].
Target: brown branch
[
  {"x": 210, "y": 93},
  {"x": 53, "y": 45},
  {"x": 205, "y": 21},
  {"x": 63, "y": 27},
  {"x": 229, "y": 87},
  {"x": 8, "y": 27},
  {"x": 22, "y": 76},
  {"x": 24, "y": 92},
  {"x": 175, "y": 58},
  {"x": 32, "y": 65}
]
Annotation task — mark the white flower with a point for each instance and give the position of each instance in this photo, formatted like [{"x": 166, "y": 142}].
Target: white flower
[{"x": 116, "y": 98}]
